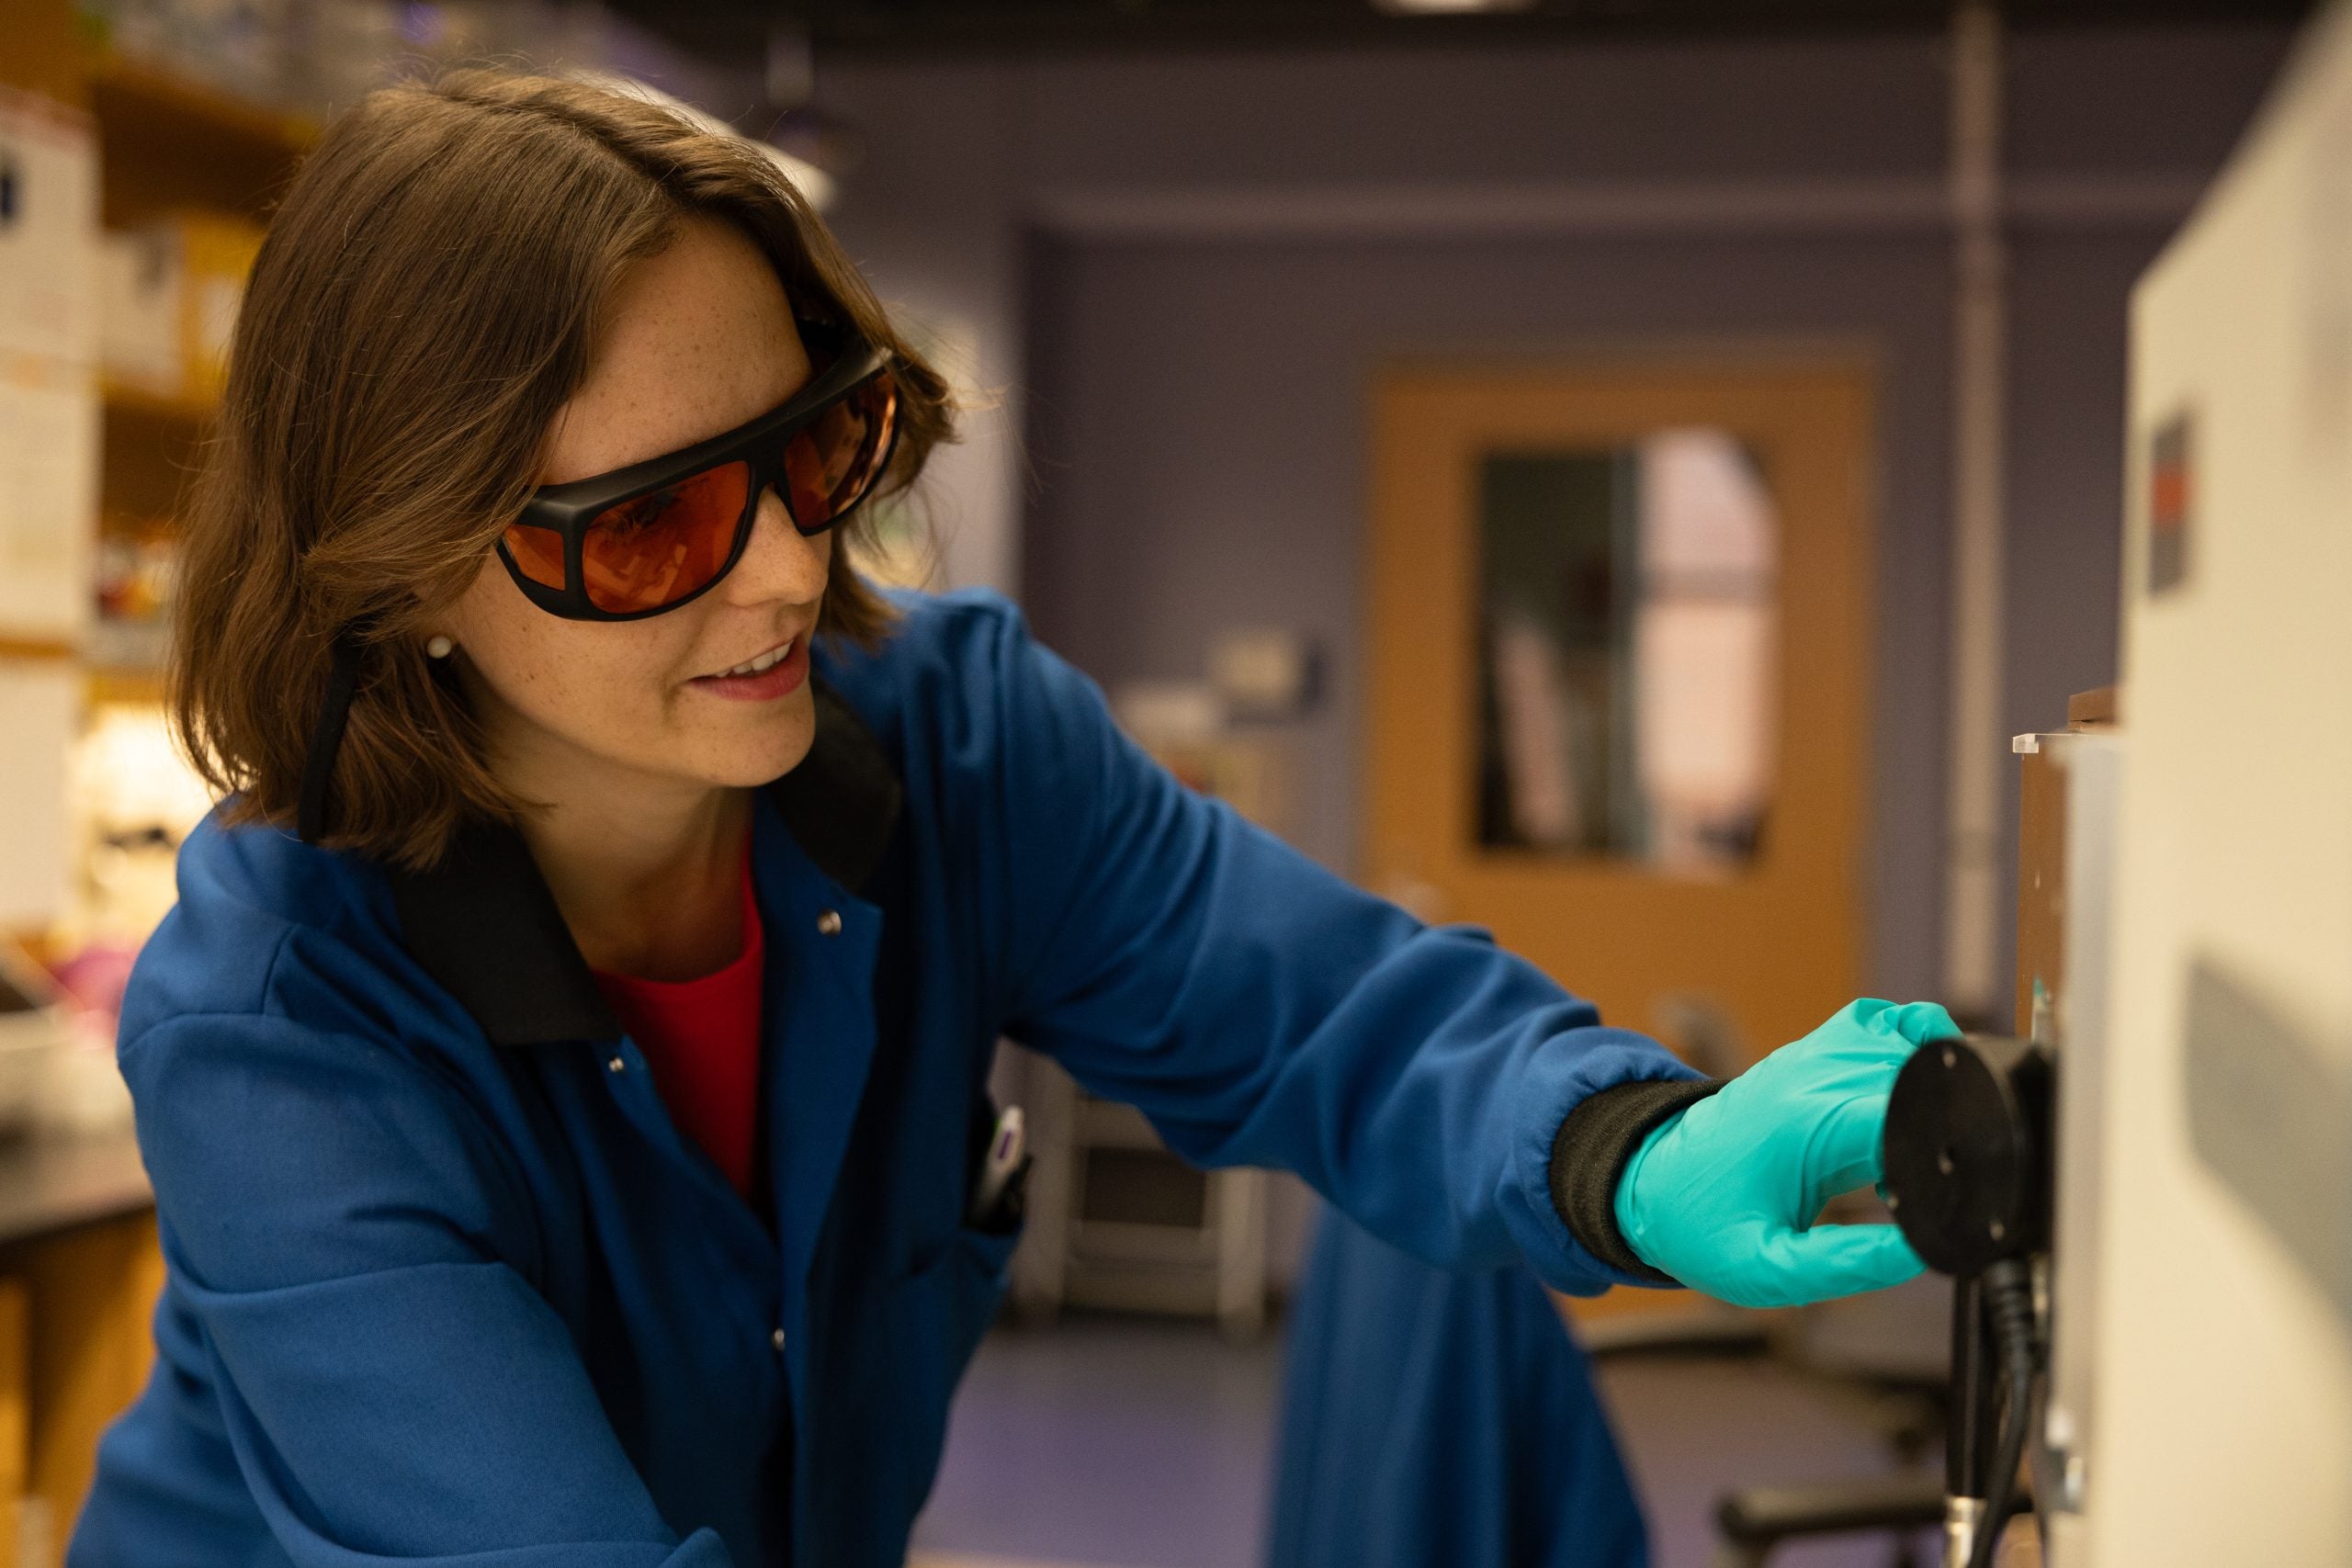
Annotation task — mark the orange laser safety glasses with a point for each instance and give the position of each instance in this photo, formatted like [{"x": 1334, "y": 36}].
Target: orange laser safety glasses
[{"x": 639, "y": 540}]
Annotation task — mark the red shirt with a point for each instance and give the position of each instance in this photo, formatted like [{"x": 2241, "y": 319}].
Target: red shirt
[{"x": 702, "y": 1038}]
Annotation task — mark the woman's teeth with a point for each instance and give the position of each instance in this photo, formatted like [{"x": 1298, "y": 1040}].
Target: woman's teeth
[{"x": 767, "y": 660}]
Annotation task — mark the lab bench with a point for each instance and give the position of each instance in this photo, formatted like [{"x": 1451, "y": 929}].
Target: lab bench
[{"x": 79, "y": 1273}]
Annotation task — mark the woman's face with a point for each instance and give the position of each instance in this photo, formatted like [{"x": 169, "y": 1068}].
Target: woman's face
[{"x": 700, "y": 340}]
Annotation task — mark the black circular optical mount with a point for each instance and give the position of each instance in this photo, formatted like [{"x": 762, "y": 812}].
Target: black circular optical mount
[{"x": 1968, "y": 1152}]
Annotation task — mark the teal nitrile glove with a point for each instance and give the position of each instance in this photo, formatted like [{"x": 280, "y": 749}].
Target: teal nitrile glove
[{"x": 1723, "y": 1195}]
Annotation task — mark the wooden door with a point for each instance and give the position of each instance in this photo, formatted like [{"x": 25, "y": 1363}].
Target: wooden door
[{"x": 1619, "y": 675}]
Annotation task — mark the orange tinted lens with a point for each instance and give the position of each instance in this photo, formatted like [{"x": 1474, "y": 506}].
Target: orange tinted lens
[
  {"x": 538, "y": 552},
  {"x": 658, "y": 548},
  {"x": 834, "y": 459}
]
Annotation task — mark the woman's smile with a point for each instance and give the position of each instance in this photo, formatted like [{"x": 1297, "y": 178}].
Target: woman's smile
[{"x": 777, "y": 673}]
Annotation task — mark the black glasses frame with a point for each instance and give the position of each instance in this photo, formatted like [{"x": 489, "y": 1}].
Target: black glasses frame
[{"x": 568, "y": 509}]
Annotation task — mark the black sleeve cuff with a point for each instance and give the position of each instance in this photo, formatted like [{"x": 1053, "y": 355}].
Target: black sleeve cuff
[{"x": 1592, "y": 1150}]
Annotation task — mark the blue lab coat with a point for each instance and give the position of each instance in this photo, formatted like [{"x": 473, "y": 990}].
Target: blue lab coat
[
  {"x": 446, "y": 1286},
  {"x": 1480, "y": 1442}
]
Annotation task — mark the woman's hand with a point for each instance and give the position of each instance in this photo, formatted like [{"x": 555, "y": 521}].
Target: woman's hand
[{"x": 1723, "y": 1195}]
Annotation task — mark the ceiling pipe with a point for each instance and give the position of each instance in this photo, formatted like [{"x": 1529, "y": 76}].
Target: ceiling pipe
[{"x": 1974, "y": 755}]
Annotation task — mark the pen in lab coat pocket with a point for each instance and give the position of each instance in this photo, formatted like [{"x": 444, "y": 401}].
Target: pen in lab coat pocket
[{"x": 1007, "y": 1147}]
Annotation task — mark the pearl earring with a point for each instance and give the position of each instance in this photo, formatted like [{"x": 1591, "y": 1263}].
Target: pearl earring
[{"x": 438, "y": 647}]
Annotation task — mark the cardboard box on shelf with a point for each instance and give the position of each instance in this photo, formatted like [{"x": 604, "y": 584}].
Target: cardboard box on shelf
[
  {"x": 139, "y": 316},
  {"x": 171, "y": 296},
  {"x": 216, "y": 257}
]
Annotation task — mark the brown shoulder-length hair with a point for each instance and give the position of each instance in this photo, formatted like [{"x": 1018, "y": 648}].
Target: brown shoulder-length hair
[{"x": 428, "y": 296}]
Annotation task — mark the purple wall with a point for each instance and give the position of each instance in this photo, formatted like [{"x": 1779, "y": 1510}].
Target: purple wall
[{"x": 1189, "y": 366}]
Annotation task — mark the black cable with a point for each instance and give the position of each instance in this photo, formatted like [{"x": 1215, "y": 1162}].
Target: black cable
[
  {"x": 326, "y": 737},
  {"x": 2008, "y": 1305},
  {"x": 1964, "y": 1444}
]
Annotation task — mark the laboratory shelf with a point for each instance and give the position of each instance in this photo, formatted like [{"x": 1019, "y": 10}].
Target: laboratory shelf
[{"x": 168, "y": 142}]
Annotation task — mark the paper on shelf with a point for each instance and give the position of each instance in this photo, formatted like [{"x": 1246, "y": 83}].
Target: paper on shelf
[
  {"x": 48, "y": 230},
  {"x": 48, "y": 476},
  {"x": 39, "y": 699}
]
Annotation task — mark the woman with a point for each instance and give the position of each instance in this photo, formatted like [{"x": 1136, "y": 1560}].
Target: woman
[{"x": 563, "y": 1075}]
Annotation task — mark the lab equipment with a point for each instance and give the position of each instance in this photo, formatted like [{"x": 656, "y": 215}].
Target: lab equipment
[
  {"x": 1968, "y": 1160},
  {"x": 2203, "y": 1414},
  {"x": 2190, "y": 1315}
]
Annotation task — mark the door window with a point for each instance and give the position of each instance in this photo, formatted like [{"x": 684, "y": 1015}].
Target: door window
[{"x": 1627, "y": 662}]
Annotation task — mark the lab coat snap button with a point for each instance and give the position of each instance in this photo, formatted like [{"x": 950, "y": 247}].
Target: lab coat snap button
[
  {"x": 828, "y": 923},
  {"x": 776, "y": 1339},
  {"x": 618, "y": 1064}
]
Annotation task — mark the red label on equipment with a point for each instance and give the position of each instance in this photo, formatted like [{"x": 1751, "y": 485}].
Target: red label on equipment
[{"x": 2171, "y": 499}]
